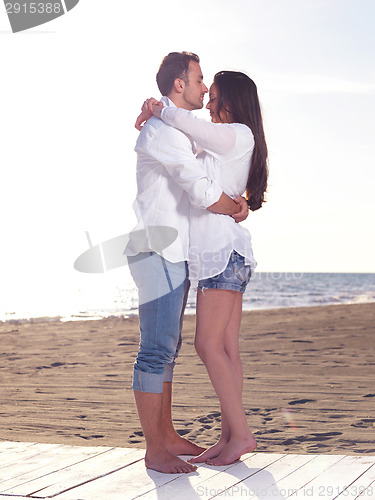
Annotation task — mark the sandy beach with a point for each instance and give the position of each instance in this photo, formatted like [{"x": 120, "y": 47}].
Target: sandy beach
[{"x": 309, "y": 381}]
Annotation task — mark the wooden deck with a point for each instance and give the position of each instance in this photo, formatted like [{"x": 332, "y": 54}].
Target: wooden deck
[{"x": 34, "y": 470}]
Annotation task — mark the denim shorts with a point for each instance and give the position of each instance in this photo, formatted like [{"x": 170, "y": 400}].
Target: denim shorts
[{"x": 235, "y": 276}]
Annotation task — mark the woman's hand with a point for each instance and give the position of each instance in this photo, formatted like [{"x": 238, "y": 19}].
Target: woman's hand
[
  {"x": 244, "y": 212},
  {"x": 142, "y": 119},
  {"x": 151, "y": 107}
]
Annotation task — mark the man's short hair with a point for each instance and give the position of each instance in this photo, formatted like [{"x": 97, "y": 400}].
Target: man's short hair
[{"x": 174, "y": 65}]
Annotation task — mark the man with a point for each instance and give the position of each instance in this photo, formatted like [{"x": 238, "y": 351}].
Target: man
[{"x": 169, "y": 178}]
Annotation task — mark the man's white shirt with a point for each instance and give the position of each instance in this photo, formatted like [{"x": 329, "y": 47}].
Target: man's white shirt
[{"x": 169, "y": 179}]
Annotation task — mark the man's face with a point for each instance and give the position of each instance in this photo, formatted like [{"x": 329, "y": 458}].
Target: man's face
[{"x": 194, "y": 89}]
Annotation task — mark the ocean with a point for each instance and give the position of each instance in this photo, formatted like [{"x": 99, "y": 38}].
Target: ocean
[{"x": 103, "y": 296}]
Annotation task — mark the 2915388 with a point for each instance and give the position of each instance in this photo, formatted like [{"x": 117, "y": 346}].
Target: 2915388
[{"x": 33, "y": 8}]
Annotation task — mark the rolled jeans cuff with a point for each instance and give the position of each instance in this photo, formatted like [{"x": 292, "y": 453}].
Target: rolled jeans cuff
[
  {"x": 152, "y": 382},
  {"x": 148, "y": 382},
  {"x": 168, "y": 374}
]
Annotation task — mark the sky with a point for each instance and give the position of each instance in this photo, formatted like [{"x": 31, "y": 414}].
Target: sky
[{"x": 72, "y": 88}]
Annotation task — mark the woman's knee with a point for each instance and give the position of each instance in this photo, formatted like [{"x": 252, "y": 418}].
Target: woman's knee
[
  {"x": 199, "y": 347},
  {"x": 233, "y": 354},
  {"x": 203, "y": 348},
  {"x": 207, "y": 348}
]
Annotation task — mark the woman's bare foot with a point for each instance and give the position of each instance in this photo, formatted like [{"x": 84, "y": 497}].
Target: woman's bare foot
[
  {"x": 181, "y": 446},
  {"x": 233, "y": 450},
  {"x": 212, "y": 452},
  {"x": 164, "y": 461}
]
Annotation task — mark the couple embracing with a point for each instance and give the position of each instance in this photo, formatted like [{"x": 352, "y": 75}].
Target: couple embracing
[{"x": 191, "y": 175}]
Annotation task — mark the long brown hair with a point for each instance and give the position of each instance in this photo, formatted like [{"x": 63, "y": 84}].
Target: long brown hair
[{"x": 238, "y": 96}]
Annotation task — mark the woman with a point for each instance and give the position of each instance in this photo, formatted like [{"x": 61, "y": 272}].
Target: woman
[{"x": 234, "y": 153}]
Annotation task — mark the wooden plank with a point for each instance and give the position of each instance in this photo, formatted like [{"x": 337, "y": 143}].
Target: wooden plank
[
  {"x": 364, "y": 486},
  {"x": 20, "y": 452},
  {"x": 198, "y": 484},
  {"x": 298, "y": 478},
  {"x": 140, "y": 483},
  {"x": 69, "y": 477},
  {"x": 93, "y": 473},
  {"x": 52, "y": 460},
  {"x": 127, "y": 483},
  {"x": 239, "y": 473},
  {"x": 6, "y": 446},
  {"x": 265, "y": 482},
  {"x": 6, "y": 497},
  {"x": 281, "y": 479},
  {"x": 334, "y": 480}
]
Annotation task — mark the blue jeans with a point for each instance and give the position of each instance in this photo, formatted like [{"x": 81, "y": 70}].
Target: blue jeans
[
  {"x": 163, "y": 290},
  {"x": 235, "y": 276}
]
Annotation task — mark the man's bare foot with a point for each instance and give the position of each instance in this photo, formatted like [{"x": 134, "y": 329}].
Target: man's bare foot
[
  {"x": 181, "y": 446},
  {"x": 233, "y": 450},
  {"x": 164, "y": 461},
  {"x": 212, "y": 452}
]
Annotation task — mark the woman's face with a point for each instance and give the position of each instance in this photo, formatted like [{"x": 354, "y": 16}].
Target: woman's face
[{"x": 213, "y": 104}]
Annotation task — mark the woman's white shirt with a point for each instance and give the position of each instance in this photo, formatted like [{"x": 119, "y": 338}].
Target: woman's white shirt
[{"x": 226, "y": 151}]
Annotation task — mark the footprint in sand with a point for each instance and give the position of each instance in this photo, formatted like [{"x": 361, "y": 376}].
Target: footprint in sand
[
  {"x": 133, "y": 439},
  {"x": 93, "y": 436},
  {"x": 321, "y": 436},
  {"x": 365, "y": 422},
  {"x": 301, "y": 401},
  {"x": 268, "y": 431},
  {"x": 57, "y": 364},
  {"x": 209, "y": 418},
  {"x": 203, "y": 420},
  {"x": 209, "y": 423},
  {"x": 182, "y": 432}
]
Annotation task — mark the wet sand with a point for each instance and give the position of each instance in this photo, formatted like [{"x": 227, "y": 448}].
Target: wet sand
[{"x": 309, "y": 381}]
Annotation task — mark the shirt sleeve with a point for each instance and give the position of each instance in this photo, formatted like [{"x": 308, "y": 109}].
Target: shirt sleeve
[
  {"x": 216, "y": 138},
  {"x": 173, "y": 150}
]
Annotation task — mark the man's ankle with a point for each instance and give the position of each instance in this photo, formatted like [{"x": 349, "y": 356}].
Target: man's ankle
[
  {"x": 169, "y": 432},
  {"x": 153, "y": 449}
]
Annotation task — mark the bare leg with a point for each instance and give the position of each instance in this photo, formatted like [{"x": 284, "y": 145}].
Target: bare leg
[
  {"x": 172, "y": 440},
  {"x": 217, "y": 448},
  {"x": 157, "y": 456},
  {"x": 214, "y": 317},
  {"x": 231, "y": 340}
]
